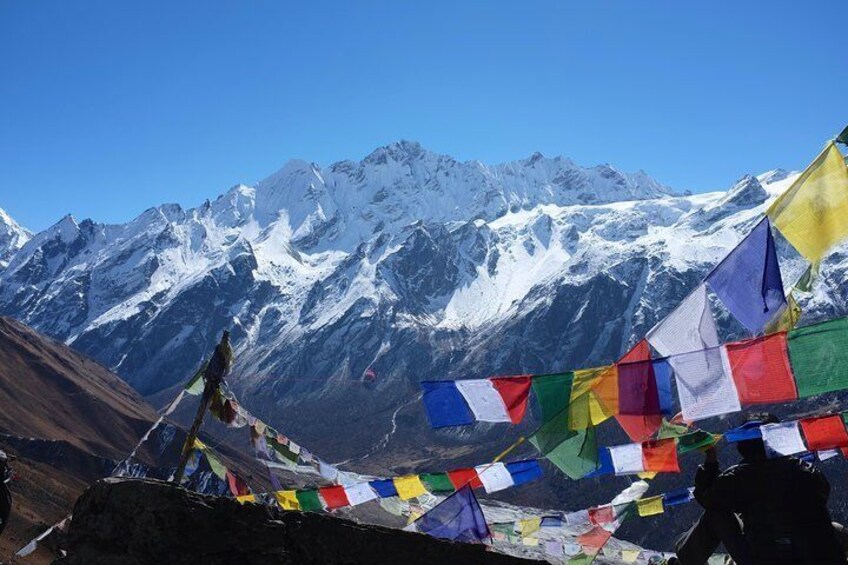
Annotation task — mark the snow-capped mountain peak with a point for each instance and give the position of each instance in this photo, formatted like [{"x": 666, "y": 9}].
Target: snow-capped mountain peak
[{"x": 12, "y": 237}]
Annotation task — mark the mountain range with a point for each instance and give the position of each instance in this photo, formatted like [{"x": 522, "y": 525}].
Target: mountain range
[{"x": 344, "y": 286}]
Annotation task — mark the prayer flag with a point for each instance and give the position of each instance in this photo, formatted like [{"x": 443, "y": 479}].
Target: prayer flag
[
  {"x": 514, "y": 392},
  {"x": 662, "y": 375},
  {"x": 602, "y": 515},
  {"x": 334, "y": 497},
  {"x": 578, "y": 518},
  {"x": 552, "y": 394},
  {"x": 745, "y": 432},
  {"x": 582, "y": 558},
  {"x": 760, "y": 369},
  {"x": 409, "y": 487},
  {"x": 245, "y": 498},
  {"x": 237, "y": 486},
  {"x": 650, "y": 506},
  {"x": 788, "y": 319},
  {"x": 287, "y": 499},
  {"x": 748, "y": 280},
  {"x": 630, "y": 555},
  {"x": 359, "y": 493},
  {"x": 826, "y": 454},
  {"x": 637, "y": 389},
  {"x": 462, "y": 477},
  {"x": 553, "y": 548},
  {"x": 524, "y": 471},
  {"x": 698, "y": 439},
  {"x": 690, "y": 327},
  {"x": 660, "y": 456},
  {"x": 444, "y": 404},
  {"x": 704, "y": 387},
  {"x": 593, "y": 540},
  {"x": 551, "y": 521},
  {"x": 309, "y": 501},
  {"x": 638, "y": 428},
  {"x": 783, "y": 438},
  {"x": 576, "y": 456},
  {"x": 529, "y": 526},
  {"x": 484, "y": 400},
  {"x": 819, "y": 357},
  {"x": 385, "y": 488},
  {"x": 530, "y": 542},
  {"x": 605, "y": 466},
  {"x": 627, "y": 459},
  {"x": 677, "y": 497},
  {"x": 823, "y": 433},
  {"x": 494, "y": 477},
  {"x": 584, "y": 408},
  {"x": 437, "y": 482},
  {"x": 843, "y": 137},
  {"x": 811, "y": 213},
  {"x": 606, "y": 389},
  {"x": 457, "y": 518}
]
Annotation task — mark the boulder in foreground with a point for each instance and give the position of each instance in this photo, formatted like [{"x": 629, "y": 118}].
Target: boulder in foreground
[{"x": 136, "y": 522}]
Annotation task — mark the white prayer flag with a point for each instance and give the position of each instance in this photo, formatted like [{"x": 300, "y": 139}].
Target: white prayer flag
[
  {"x": 627, "y": 459},
  {"x": 484, "y": 400},
  {"x": 327, "y": 471},
  {"x": 359, "y": 493},
  {"x": 578, "y": 518},
  {"x": 783, "y": 438},
  {"x": 689, "y": 327},
  {"x": 826, "y": 454},
  {"x": 494, "y": 477},
  {"x": 553, "y": 548},
  {"x": 705, "y": 386},
  {"x": 572, "y": 549}
]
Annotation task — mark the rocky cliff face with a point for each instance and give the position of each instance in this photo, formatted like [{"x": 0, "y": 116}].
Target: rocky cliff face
[{"x": 141, "y": 522}]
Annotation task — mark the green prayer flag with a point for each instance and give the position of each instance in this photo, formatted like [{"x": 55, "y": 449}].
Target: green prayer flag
[
  {"x": 215, "y": 464},
  {"x": 576, "y": 455},
  {"x": 819, "y": 357},
  {"x": 845, "y": 417},
  {"x": 699, "y": 439},
  {"x": 309, "y": 500},
  {"x": 281, "y": 449},
  {"x": 669, "y": 430},
  {"x": 195, "y": 385},
  {"x": 437, "y": 482},
  {"x": 553, "y": 393},
  {"x": 506, "y": 528},
  {"x": 580, "y": 559}
]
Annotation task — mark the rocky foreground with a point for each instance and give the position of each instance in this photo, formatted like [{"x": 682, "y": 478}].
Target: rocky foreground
[{"x": 135, "y": 522}]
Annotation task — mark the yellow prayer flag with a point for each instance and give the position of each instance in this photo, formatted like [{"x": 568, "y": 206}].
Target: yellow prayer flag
[
  {"x": 813, "y": 213},
  {"x": 630, "y": 555},
  {"x": 409, "y": 487},
  {"x": 530, "y": 542},
  {"x": 199, "y": 444},
  {"x": 650, "y": 506},
  {"x": 287, "y": 499},
  {"x": 245, "y": 498},
  {"x": 647, "y": 475},
  {"x": 529, "y": 526},
  {"x": 584, "y": 408}
]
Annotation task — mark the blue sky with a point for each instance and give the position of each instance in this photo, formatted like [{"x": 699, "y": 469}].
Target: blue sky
[{"x": 108, "y": 108}]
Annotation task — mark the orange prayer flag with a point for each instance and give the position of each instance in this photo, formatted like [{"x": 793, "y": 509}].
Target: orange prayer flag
[{"x": 660, "y": 456}]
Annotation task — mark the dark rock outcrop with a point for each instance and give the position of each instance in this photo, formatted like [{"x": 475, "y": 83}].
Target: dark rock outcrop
[{"x": 136, "y": 522}]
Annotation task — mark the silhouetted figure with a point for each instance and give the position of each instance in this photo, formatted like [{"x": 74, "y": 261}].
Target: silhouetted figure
[
  {"x": 782, "y": 503},
  {"x": 5, "y": 494}
]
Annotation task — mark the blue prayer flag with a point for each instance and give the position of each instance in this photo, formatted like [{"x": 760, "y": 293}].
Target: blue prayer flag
[
  {"x": 748, "y": 280},
  {"x": 605, "y": 466},
  {"x": 677, "y": 497},
  {"x": 457, "y": 518},
  {"x": 745, "y": 432},
  {"x": 551, "y": 521},
  {"x": 662, "y": 374},
  {"x": 445, "y": 405},
  {"x": 524, "y": 471},
  {"x": 385, "y": 488}
]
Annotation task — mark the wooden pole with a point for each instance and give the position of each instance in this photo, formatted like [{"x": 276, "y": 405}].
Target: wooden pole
[{"x": 213, "y": 376}]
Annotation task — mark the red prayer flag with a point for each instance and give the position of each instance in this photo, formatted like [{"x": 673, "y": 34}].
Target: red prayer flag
[
  {"x": 514, "y": 392},
  {"x": 761, "y": 370},
  {"x": 334, "y": 497},
  {"x": 602, "y": 515},
  {"x": 237, "y": 486},
  {"x": 660, "y": 456},
  {"x": 461, "y": 477},
  {"x": 594, "y": 539},
  {"x": 827, "y": 432},
  {"x": 639, "y": 428}
]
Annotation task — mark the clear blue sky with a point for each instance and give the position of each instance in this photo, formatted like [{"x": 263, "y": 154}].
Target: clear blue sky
[{"x": 110, "y": 107}]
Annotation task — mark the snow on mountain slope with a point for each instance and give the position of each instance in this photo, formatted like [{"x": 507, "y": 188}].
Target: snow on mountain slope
[
  {"x": 12, "y": 237},
  {"x": 405, "y": 265}
]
